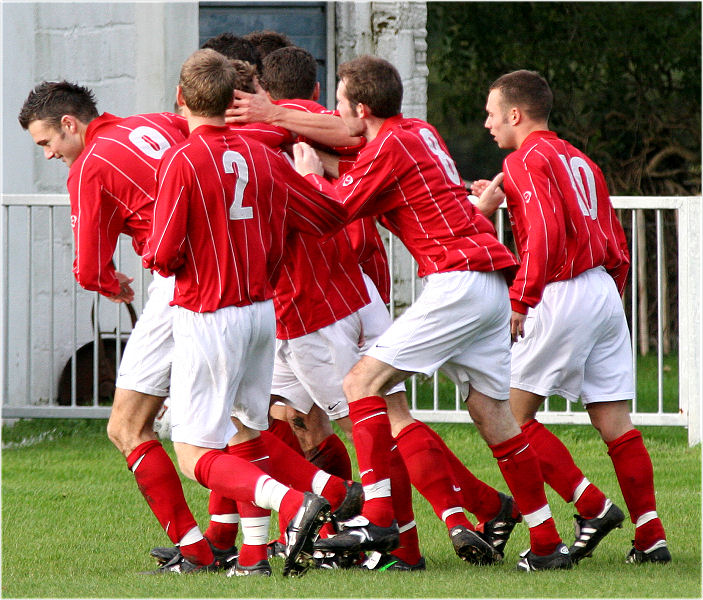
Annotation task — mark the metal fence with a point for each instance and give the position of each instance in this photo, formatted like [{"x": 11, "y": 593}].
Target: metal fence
[{"x": 47, "y": 326}]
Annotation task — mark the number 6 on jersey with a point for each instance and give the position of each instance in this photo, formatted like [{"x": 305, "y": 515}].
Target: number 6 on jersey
[{"x": 237, "y": 211}]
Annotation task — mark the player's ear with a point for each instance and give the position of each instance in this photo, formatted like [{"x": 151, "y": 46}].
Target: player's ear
[
  {"x": 70, "y": 123},
  {"x": 180, "y": 101},
  {"x": 514, "y": 115},
  {"x": 316, "y": 92},
  {"x": 363, "y": 110}
]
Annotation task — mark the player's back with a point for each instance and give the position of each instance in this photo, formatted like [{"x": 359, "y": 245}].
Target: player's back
[
  {"x": 582, "y": 228},
  {"x": 407, "y": 178},
  {"x": 117, "y": 170}
]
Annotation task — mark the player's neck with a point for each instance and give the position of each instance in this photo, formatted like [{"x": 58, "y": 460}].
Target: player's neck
[
  {"x": 373, "y": 126},
  {"x": 528, "y": 129},
  {"x": 195, "y": 121}
]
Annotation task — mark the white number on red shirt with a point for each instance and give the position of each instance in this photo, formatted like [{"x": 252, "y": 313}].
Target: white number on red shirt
[
  {"x": 584, "y": 183},
  {"x": 444, "y": 158},
  {"x": 150, "y": 141},
  {"x": 237, "y": 211}
]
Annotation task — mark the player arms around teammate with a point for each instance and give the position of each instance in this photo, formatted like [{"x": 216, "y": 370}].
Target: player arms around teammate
[
  {"x": 112, "y": 185},
  {"x": 566, "y": 297},
  {"x": 223, "y": 209},
  {"x": 460, "y": 321}
]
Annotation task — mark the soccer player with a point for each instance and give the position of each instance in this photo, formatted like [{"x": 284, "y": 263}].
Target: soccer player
[
  {"x": 443, "y": 480},
  {"x": 459, "y": 323},
  {"x": 112, "y": 183},
  {"x": 224, "y": 208},
  {"x": 266, "y": 41},
  {"x": 235, "y": 47},
  {"x": 568, "y": 324}
]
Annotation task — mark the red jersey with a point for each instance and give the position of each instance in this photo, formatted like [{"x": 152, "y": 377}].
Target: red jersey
[
  {"x": 112, "y": 186},
  {"x": 562, "y": 218},
  {"x": 407, "y": 178},
  {"x": 320, "y": 282},
  {"x": 224, "y": 207}
]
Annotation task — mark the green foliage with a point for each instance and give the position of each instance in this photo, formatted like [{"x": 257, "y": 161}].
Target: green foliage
[
  {"x": 74, "y": 525},
  {"x": 626, "y": 78}
]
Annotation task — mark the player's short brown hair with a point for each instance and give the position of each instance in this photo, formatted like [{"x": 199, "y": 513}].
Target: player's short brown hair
[
  {"x": 528, "y": 90},
  {"x": 289, "y": 72},
  {"x": 234, "y": 47},
  {"x": 208, "y": 80},
  {"x": 375, "y": 82},
  {"x": 266, "y": 41},
  {"x": 51, "y": 100}
]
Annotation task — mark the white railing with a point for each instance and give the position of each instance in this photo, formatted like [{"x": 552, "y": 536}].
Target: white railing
[{"x": 45, "y": 316}]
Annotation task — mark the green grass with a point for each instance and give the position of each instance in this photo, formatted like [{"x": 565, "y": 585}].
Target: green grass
[
  {"x": 647, "y": 392},
  {"x": 75, "y": 525}
]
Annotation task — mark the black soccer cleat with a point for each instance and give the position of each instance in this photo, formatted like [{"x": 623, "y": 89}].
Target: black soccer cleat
[
  {"x": 589, "y": 532},
  {"x": 260, "y": 569},
  {"x": 301, "y": 533},
  {"x": 559, "y": 559},
  {"x": 471, "y": 547},
  {"x": 657, "y": 553},
  {"x": 358, "y": 535},
  {"x": 224, "y": 558},
  {"x": 387, "y": 562},
  {"x": 275, "y": 549},
  {"x": 180, "y": 566},
  {"x": 351, "y": 505},
  {"x": 497, "y": 531}
]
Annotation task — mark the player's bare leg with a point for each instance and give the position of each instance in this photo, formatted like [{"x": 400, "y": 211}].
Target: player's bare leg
[
  {"x": 131, "y": 420},
  {"x": 519, "y": 465},
  {"x": 633, "y": 467}
]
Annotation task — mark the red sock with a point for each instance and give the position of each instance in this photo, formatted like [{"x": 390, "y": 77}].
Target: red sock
[
  {"x": 409, "y": 547},
  {"x": 160, "y": 485},
  {"x": 293, "y": 470},
  {"x": 242, "y": 481},
  {"x": 371, "y": 430},
  {"x": 520, "y": 468},
  {"x": 561, "y": 473},
  {"x": 478, "y": 497},
  {"x": 284, "y": 432},
  {"x": 224, "y": 521},
  {"x": 331, "y": 456},
  {"x": 431, "y": 474},
  {"x": 633, "y": 467},
  {"x": 254, "y": 520}
]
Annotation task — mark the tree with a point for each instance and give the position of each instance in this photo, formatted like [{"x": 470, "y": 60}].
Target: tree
[{"x": 626, "y": 78}]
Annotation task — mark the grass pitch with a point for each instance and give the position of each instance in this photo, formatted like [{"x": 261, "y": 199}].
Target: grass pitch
[{"x": 75, "y": 525}]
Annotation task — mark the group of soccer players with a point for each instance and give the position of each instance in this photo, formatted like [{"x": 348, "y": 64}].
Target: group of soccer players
[{"x": 256, "y": 210}]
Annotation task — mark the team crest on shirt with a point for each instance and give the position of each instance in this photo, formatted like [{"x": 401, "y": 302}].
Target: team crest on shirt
[
  {"x": 348, "y": 180},
  {"x": 527, "y": 196}
]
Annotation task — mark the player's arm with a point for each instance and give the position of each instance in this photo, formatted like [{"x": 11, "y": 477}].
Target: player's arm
[
  {"x": 536, "y": 230},
  {"x": 165, "y": 247},
  {"x": 96, "y": 224},
  {"x": 322, "y": 128}
]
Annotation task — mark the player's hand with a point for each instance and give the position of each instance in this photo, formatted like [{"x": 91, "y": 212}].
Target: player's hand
[
  {"x": 517, "y": 326},
  {"x": 306, "y": 160},
  {"x": 250, "y": 108},
  {"x": 126, "y": 293},
  {"x": 490, "y": 194}
]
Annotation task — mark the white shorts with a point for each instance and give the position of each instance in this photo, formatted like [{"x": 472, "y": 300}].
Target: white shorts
[
  {"x": 577, "y": 342},
  {"x": 460, "y": 324},
  {"x": 310, "y": 369},
  {"x": 146, "y": 362},
  {"x": 222, "y": 366}
]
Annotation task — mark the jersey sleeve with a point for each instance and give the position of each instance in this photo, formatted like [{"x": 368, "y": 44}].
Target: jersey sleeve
[
  {"x": 362, "y": 182},
  {"x": 165, "y": 247},
  {"x": 538, "y": 229},
  {"x": 96, "y": 221}
]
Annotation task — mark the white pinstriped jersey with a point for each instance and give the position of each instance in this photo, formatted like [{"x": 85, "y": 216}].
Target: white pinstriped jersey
[
  {"x": 406, "y": 176},
  {"x": 562, "y": 218},
  {"x": 224, "y": 208},
  {"x": 112, "y": 186}
]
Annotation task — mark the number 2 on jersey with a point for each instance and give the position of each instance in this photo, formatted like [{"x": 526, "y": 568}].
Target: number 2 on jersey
[
  {"x": 237, "y": 211},
  {"x": 584, "y": 183}
]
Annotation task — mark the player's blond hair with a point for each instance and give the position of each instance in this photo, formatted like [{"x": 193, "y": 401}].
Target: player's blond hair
[{"x": 208, "y": 80}]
